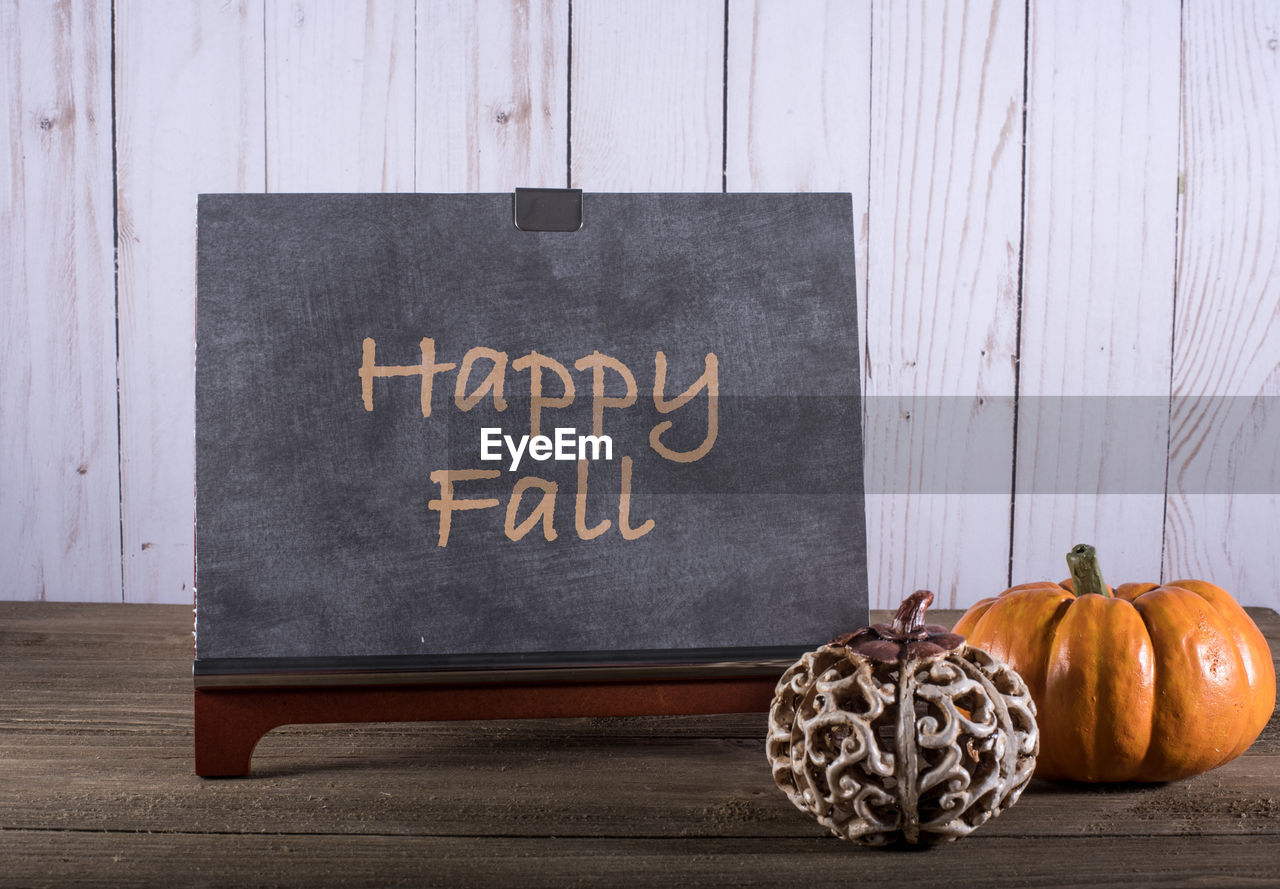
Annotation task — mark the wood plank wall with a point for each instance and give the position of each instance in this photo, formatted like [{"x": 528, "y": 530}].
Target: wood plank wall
[{"x": 1068, "y": 216}]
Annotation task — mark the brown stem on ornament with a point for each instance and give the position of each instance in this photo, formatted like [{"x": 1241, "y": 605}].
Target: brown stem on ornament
[
  {"x": 908, "y": 622},
  {"x": 1086, "y": 575},
  {"x": 907, "y": 638}
]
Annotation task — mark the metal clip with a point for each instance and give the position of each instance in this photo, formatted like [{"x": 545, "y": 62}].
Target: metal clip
[{"x": 548, "y": 209}]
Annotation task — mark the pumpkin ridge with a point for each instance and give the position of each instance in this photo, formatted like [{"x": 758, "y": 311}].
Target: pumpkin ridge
[
  {"x": 1157, "y": 692},
  {"x": 1124, "y": 685},
  {"x": 1175, "y": 598},
  {"x": 1259, "y": 668},
  {"x": 1055, "y": 641},
  {"x": 1055, "y": 629},
  {"x": 1248, "y": 732},
  {"x": 1035, "y": 585},
  {"x": 1046, "y": 762},
  {"x": 976, "y": 612},
  {"x": 1244, "y": 736}
]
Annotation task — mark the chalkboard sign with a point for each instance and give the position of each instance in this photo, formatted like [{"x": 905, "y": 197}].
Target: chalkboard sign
[{"x": 430, "y": 441}]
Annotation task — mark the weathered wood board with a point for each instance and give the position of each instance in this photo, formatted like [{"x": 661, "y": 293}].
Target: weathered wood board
[
  {"x": 1027, "y": 176},
  {"x": 95, "y": 740}
]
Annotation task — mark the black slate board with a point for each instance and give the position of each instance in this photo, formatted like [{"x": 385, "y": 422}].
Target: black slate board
[{"x": 315, "y": 540}]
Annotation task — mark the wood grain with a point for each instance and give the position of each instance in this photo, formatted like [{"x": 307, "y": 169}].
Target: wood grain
[
  {"x": 475, "y": 779},
  {"x": 241, "y": 96},
  {"x": 189, "y": 82},
  {"x": 339, "y": 96},
  {"x": 41, "y": 859},
  {"x": 59, "y": 456},
  {"x": 799, "y": 99},
  {"x": 492, "y": 95},
  {"x": 1224, "y": 467},
  {"x": 942, "y": 296},
  {"x": 1097, "y": 297},
  {"x": 647, "y": 92},
  {"x": 95, "y": 748}
]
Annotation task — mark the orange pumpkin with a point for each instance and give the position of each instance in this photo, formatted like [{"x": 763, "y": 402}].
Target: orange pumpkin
[{"x": 1143, "y": 683}]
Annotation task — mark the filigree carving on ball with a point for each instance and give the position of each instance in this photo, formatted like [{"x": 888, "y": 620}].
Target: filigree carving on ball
[{"x": 921, "y": 742}]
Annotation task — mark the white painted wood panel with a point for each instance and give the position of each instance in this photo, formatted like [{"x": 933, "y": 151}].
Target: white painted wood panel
[
  {"x": 915, "y": 107},
  {"x": 1097, "y": 297},
  {"x": 648, "y": 95},
  {"x": 59, "y": 467},
  {"x": 1224, "y": 473},
  {"x": 492, "y": 95},
  {"x": 799, "y": 103},
  {"x": 798, "y": 109},
  {"x": 339, "y": 96},
  {"x": 189, "y": 82},
  {"x": 942, "y": 295}
]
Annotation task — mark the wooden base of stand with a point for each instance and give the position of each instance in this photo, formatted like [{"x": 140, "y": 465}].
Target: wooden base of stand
[{"x": 230, "y": 722}]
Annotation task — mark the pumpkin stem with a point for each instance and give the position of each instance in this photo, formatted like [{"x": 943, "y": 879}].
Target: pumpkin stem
[
  {"x": 908, "y": 621},
  {"x": 1086, "y": 575}
]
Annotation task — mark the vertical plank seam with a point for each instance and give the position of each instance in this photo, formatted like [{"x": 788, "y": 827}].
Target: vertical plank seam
[
  {"x": 866, "y": 297},
  {"x": 1177, "y": 270},
  {"x": 266, "y": 127},
  {"x": 115, "y": 287},
  {"x": 724, "y": 108},
  {"x": 415, "y": 97},
  {"x": 568, "y": 129},
  {"x": 1022, "y": 245}
]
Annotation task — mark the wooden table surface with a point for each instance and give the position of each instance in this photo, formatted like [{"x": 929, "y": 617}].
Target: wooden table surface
[{"x": 97, "y": 788}]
